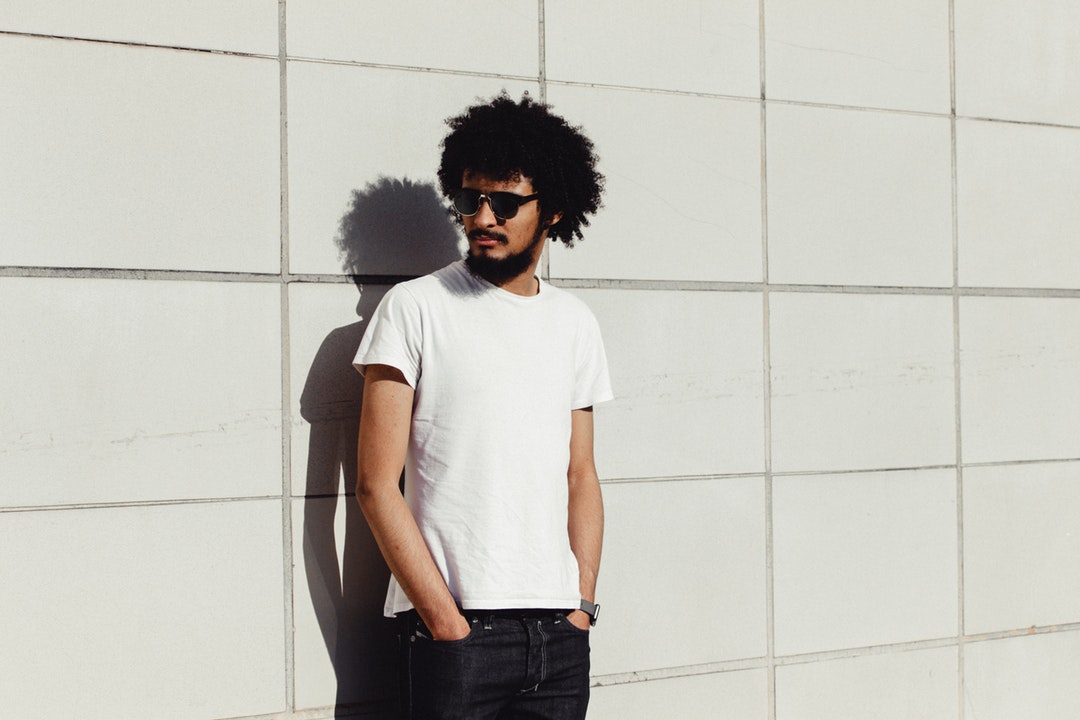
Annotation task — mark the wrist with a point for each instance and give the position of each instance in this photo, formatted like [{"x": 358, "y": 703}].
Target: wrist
[{"x": 591, "y": 609}]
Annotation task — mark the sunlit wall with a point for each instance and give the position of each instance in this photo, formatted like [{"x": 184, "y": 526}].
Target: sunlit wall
[{"x": 837, "y": 272}]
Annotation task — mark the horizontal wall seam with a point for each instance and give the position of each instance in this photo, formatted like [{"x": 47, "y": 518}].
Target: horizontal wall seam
[
  {"x": 138, "y": 504},
  {"x": 533, "y": 78},
  {"x": 760, "y": 663},
  {"x": 136, "y": 44},
  {"x": 29, "y": 271},
  {"x": 845, "y": 471},
  {"x": 603, "y": 481}
]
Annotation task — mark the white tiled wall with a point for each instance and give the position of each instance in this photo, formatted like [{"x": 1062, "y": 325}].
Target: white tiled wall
[
  {"x": 1017, "y": 215},
  {"x": 1017, "y": 60},
  {"x": 858, "y": 198},
  {"x": 683, "y": 187},
  {"x": 871, "y": 54},
  {"x": 123, "y": 157},
  {"x": 910, "y": 685},
  {"x": 843, "y": 322},
  {"x": 863, "y": 559},
  {"x": 861, "y": 381},
  {"x": 168, "y": 611}
]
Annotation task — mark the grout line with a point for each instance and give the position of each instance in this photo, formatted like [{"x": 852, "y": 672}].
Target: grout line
[
  {"x": 288, "y": 630},
  {"x": 545, "y": 257},
  {"x": 762, "y": 663},
  {"x": 542, "y": 49},
  {"x": 737, "y": 665},
  {"x": 766, "y": 372},
  {"x": 957, "y": 390},
  {"x": 734, "y": 286},
  {"x": 28, "y": 271},
  {"x": 819, "y": 473},
  {"x": 134, "y": 504},
  {"x": 136, "y": 44},
  {"x": 525, "y": 78},
  {"x": 718, "y": 477}
]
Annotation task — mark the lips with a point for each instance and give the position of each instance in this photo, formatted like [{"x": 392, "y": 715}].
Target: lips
[{"x": 486, "y": 240}]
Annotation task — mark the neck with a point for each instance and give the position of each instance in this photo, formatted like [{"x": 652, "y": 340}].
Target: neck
[
  {"x": 523, "y": 283},
  {"x": 526, "y": 284}
]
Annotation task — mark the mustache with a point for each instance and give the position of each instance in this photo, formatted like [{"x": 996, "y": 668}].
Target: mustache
[{"x": 477, "y": 234}]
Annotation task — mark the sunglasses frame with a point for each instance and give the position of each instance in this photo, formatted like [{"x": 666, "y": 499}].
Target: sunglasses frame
[{"x": 499, "y": 197}]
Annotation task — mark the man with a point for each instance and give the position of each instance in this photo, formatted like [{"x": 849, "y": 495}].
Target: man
[{"x": 480, "y": 381}]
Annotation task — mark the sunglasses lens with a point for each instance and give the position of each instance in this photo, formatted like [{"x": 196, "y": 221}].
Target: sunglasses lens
[
  {"x": 504, "y": 205},
  {"x": 467, "y": 202}
]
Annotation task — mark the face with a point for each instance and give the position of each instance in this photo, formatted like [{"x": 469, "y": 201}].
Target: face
[{"x": 500, "y": 249}]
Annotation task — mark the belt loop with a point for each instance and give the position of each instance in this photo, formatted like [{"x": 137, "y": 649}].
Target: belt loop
[{"x": 489, "y": 620}]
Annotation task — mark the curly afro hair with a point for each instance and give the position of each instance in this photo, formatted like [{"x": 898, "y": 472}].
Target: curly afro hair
[{"x": 504, "y": 140}]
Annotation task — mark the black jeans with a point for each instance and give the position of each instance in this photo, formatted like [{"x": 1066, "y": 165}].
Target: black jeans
[{"x": 513, "y": 665}]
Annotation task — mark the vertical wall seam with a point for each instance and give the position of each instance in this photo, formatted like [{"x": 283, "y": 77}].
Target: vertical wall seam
[
  {"x": 766, "y": 394},
  {"x": 960, "y": 690},
  {"x": 286, "y": 389},
  {"x": 541, "y": 78}
]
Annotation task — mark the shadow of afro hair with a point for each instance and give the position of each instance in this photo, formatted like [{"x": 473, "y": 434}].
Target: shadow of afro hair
[{"x": 504, "y": 140}]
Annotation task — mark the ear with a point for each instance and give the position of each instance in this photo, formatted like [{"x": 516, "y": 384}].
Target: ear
[{"x": 552, "y": 219}]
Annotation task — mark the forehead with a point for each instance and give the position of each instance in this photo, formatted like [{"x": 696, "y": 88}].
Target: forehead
[{"x": 510, "y": 182}]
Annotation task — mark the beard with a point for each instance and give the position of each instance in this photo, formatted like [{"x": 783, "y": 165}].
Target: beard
[{"x": 500, "y": 270}]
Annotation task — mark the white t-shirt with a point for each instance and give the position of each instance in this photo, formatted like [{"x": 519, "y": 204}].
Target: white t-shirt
[{"x": 496, "y": 376}]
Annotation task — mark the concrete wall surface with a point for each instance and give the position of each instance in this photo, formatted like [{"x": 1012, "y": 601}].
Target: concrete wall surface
[{"x": 838, "y": 275}]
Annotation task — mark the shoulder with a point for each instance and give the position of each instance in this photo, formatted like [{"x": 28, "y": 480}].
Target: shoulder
[
  {"x": 570, "y": 305},
  {"x": 427, "y": 288}
]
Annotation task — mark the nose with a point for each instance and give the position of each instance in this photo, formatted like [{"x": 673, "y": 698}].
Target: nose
[{"x": 484, "y": 216}]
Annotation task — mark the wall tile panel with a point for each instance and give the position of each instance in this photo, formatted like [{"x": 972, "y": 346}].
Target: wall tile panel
[
  {"x": 357, "y": 129},
  {"x": 1023, "y": 677},
  {"x": 127, "y": 391},
  {"x": 419, "y": 34},
  {"x": 687, "y": 374},
  {"x": 685, "y": 585},
  {"x": 871, "y": 54},
  {"x": 858, "y": 198},
  {"x": 737, "y": 695},
  {"x": 678, "y": 45},
  {"x": 345, "y": 650},
  {"x": 864, "y": 559},
  {"x": 1020, "y": 378},
  {"x": 138, "y": 158},
  {"x": 915, "y": 685},
  {"x": 326, "y": 325},
  {"x": 861, "y": 381},
  {"x": 238, "y": 26},
  {"x": 1018, "y": 60},
  {"x": 682, "y": 199},
  {"x": 136, "y": 612},
  {"x": 1021, "y": 546},
  {"x": 1017, "y": 214}
]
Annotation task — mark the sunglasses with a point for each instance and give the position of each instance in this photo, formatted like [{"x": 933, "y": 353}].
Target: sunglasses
[{"x": 504, "y": 205}]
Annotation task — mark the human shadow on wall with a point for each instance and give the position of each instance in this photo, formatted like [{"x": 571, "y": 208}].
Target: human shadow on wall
[{"x": 393, "y": 230}]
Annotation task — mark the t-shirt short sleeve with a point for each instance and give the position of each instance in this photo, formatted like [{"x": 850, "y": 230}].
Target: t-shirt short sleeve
[
  {"x": 592, "y": 381},
  {"x": 393, "y": 336}
]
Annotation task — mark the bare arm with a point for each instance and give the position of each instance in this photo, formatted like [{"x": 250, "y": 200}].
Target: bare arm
[
  {"x": 384, "y": 437},
  {"x": 586, "y": 524}
]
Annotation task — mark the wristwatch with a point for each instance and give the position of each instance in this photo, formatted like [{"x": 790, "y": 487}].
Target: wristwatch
[{"x": 590, "y": 609}]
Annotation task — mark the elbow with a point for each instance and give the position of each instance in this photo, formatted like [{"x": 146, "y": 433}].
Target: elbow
[
  {"x": 366, "y": 489},
  {"x": 371, "y": 487}
]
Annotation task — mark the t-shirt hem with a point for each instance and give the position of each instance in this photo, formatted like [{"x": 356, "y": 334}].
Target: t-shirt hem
[{"x": 548, "y": 603}]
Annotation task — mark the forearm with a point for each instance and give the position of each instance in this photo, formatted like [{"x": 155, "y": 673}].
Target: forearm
[
  {"x": 586, "y": 530},
  {"x": 407, "y": 555}
]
